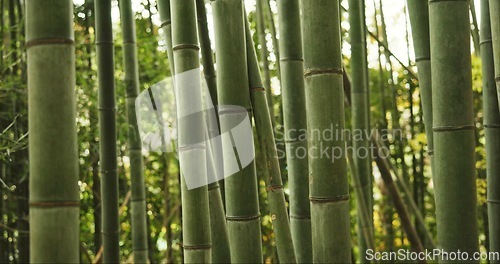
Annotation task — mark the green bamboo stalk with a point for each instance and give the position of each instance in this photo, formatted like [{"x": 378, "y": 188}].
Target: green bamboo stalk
[
  {"x": 360, "y": 115},
  {"x": 242, "y": 207},
  {"x": 166, "y": 26},
  {"x": 138, "y": 200},
  {"x": 491, "y": 128},
  {"x": 364, "y": 216},
  {"x": 329, "y": 187},
  {"x": 220, "y": 240},
  {"x": 475, "y": 29},
  {"x": 419, "y": 19},
  {"x": 261, "y": 32},
  {"x": 495, "y": 36},
  {"x": 272, "y": 173},
  {"x": 53, "y": 154},
  {"x": 107, "y": 131},
  {"x": 453, "y": 126},
  {"x": 293, "y": 94},
  {"x": 192, "y": 149},
  {"x": 272, "y": 30}
]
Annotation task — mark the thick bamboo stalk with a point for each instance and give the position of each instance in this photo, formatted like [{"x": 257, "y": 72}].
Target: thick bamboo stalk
[
  {"x": 491, "y": 128},
  {"x": 419, "y": 19},
  {"x": 495, "y": 36},
  {"x": 220, "y": 240},
  {"x": 272, "y": 173},
  {"x": 53, "y": 152},
  {"x": 107, "y": 131},
  {"x": 293, "y": 94},
  {"x": 328, "y": 183},
  {"x": 360, "y": 116},
  {"x": 453, "y": 126},
  {"x": 192, "y": 146},
  {"x": 138, "y": 203},
  {"x": 242, "y": 207}
]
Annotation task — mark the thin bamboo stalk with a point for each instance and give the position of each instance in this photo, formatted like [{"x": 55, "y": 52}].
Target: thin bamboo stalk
[
  {"x": 107, "y": 131},
  {"x": 138, "y": 204},
  {"x": 491, "y": 128},
  {"x": 360, "y": 116},
  {"x": 293, "y": 95},
  {"x": 495, "y": 36}
]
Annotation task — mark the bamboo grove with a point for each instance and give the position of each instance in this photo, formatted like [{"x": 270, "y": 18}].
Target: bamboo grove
[{"x": 249, "y": 131}]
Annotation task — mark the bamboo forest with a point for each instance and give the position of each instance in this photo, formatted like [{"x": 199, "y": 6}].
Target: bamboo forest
[{"x": 249, "y": 131}]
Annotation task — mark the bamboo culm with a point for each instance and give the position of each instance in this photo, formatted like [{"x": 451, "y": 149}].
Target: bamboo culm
[
  {"x": 272, "y": 173},
  {"x": 138, "y": 200},
  {"x": 192, "y": 160},
  {"x": 242, "y": 206},
  {"x": 53, "y": 153},
  {"x": 292, "y": 81},
  {"x": 491, "y": 128},
  {"x": 107, "y": 132},
  {"x": 453, "y": 126},
  {"x": 328, "y": 183}
]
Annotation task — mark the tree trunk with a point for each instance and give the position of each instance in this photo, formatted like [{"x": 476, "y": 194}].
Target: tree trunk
[{"x": 54, "y": 196}]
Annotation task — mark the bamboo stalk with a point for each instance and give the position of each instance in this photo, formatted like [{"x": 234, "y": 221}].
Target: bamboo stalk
[
  {"x": 453, "y": 126},
  {"x": 138, "y": 204},
  {"x": 491, "y": 128},
  {"x": 192, "y": 146},
  {"x": 495, "y": 36},
  {"x": 220, "y": 240},
  {"x": 328, "y": 183},
  {"x": 53, "y": 153},
  {"x": 107, "y": 131},
  {"x": 360, "y": 116},
  {"x": 242, "y": 207},
  {"x": 293, "y": 94},
  {"x": 272, "y": 173}
]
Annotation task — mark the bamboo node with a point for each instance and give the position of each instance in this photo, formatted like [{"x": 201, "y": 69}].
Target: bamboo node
[
  {"x": 166, "y": 23},
  {"x": 493, "y": 201},
  {"x": 453, "y": 128},
  {"x": 312, "y": 72},
  {"x": 491, "y": 125},
  {"x": 437, "y": 1},
  {"x": 192, "y": 147},
  {"x": 425, "y": 58},
  {"x": 49, "y": 41},
  {"x": 300, "y": 217},
  {"x": 274, "y": 187},
  {"x": 335, "y": 199},
  {"x": 258, "y": 89},
  {"x": 55, "y": 204},
  {"x": 243, "y": 218},
  {"x": 186, "y": 46},
  {"x": 197, "y": 247},
  {"x": 291, "y": 59}
]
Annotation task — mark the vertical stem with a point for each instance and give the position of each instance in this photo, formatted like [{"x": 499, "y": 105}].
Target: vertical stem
[
  {"x": 491, "y": 128},
  {"x": 54, "y": 195},
  {"x": 495, "y": 36},
  {"x": 360, "y": 117},
  {"x": 475, "y": 29},
  {"x": 328, "y": 183},
  {"x": 453, "y": 126},
  {"x": 192, "y": 146},
  {"x": 138, "y": 200},
  {"x": 293, "y": 94},
  {"x": 107, "y": 132},
  {"x": 242, "y": 207},
  {"x": 272, "y": 173}
]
